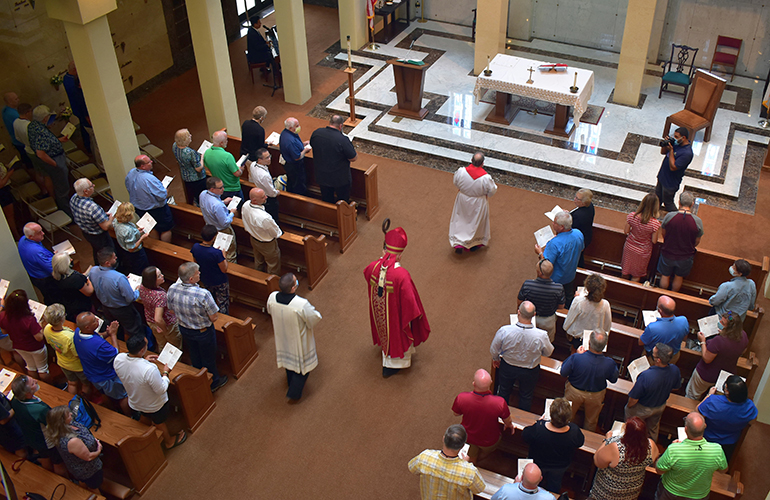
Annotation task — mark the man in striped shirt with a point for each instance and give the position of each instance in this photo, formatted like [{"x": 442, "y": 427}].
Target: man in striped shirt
[
  {"x": 443, "y": 473},
  {"x": 688, "y": 466},
  {"x": 546, "y": 294}
]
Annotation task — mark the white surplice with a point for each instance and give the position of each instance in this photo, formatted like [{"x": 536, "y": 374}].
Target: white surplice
[
  {"x": 293, "y": 331},
  {"x": 470, "y": 217}
]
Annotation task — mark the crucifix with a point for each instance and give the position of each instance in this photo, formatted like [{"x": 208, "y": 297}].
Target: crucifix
[{"x": 530, "y": 81}]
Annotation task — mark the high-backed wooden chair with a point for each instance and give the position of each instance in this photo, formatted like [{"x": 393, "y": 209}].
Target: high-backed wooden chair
[
  {"x": 701, "y": 106},
  {"x": 680, "y": 71},
  {"x": 729, "y": 57}
]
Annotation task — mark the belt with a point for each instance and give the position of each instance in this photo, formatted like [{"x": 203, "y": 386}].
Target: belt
[{"x": 260, "y": 241}]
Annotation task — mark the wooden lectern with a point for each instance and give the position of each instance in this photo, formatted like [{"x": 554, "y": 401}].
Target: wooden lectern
[{"x": 410, "y": 80}]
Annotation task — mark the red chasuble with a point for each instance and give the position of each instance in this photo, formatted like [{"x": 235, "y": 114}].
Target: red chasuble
[{"x": 397, "y": 318}]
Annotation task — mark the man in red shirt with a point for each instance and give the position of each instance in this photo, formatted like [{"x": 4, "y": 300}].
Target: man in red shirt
[{"x": 481, "y": 410}]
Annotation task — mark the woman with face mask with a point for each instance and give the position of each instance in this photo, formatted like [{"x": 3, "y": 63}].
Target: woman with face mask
[
  {"x": 737, "y": 295},
  {"x": 720, "y": 352}
]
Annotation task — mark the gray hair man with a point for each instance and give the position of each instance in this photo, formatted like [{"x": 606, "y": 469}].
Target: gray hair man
[
  {"x": 583, "y": 218},
  {"x": 48, "y": 148},
  {"x": 92, "y": 220},
  {"x": 333, "y": 152},
  {"x": 252, "y": 133},
  {"x": 563, "y": 251},
  {"x": 681, "y": 232},
  {"x": 546, "y": 294},
  {"x": 293, "y": 151},
  {"x": 222, "y": 164}
]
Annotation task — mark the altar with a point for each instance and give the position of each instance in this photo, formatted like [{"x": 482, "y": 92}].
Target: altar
[{"x": 510, "y": 75}]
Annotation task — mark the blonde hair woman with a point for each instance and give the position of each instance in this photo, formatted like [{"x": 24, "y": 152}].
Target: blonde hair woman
[
  {"x": 190, "y": 166},
  {"x": 130, "y": 238},
  {"x": 79, "y": 449},
  {"x": 76, "y": 288},
  {"x": 59, "y": 337},
  {"x": 589, "y": 311}
]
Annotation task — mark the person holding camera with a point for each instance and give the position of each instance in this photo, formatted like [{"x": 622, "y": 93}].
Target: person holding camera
[{"x": 678, "y": 151}]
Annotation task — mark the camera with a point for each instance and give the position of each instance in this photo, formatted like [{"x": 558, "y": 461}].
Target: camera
[{"x": 665, "y": 142}]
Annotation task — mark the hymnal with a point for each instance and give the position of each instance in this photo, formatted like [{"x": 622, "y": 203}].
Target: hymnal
[
  {"x": 223, "y": 241},
  {"x": 233, "y": 205},
  {"x": 146, "y": 223},
  {"x": 273, "y": 139},
  {"x": 134, "y": 280},
  {"x": 708, "y": 325},
  {"x": 205, "y": 145},
  {"x": 544, "y": 235},
  {"x": 637, "y": 366},
  {"x": 166, "y": 181},
  {"x": 64, "y": 247},
  {"x": 650, "y": 317},
  {"x": 555, "y": 210},
  {"x": 114, "y": 207},
  {"x": 68, "y": 130},
  {"x": 169, "y": 355}
]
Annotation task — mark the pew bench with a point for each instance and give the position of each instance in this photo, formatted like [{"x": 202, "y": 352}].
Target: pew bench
[
  {"x": 132, "y": 450},
  {"x": 304, "y": 253},
  {"x": 494, "y": 482}
]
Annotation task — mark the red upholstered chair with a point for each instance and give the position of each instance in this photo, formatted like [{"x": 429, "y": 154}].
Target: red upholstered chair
[
  {"x": 728, "y": 58},
  {"x": 701, "y": 107}
]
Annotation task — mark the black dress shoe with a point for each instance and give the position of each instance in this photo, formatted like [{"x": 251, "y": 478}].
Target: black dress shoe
[
  {"x": 220, "y": 384},
  {"x": 389, "y": 372}
]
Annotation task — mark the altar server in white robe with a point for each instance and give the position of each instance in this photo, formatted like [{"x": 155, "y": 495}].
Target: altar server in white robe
[
  {"x": 293, "y": 321},
  {"x": 469, "y": 227}
]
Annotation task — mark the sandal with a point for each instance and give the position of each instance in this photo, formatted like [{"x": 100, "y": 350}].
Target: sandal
[{"x": 180, "y": 438}]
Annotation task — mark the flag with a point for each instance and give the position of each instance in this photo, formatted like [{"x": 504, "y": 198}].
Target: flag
[{"x": 370, "y": 12}]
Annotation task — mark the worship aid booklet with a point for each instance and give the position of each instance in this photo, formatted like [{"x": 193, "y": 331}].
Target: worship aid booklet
[
  {"x": 64, "y": 247},
  {"x": 171, "y": 201},
  {"x": 241, "y": 160},
  {"x": 13, "y": 162},
  {"x": 205, "y": 145},
  {"x": 233, "y": 205},
  {"x": 273, "y": 139},
  {"x": 223, "y": 241},
  {"x": 681, "y": 435},
  {"x": 650, "y": 317},
  {"x": 166, "y": 181},
  {"x": 722, "y": 379},
  {"x": 114, "y": 207},
  {"x": 555, "y": 210},
  {"x": 547, "y": 412},
  {"x": 523, "y": 462},
  {"x": 169, "y": 355},
  {"x": 581, "y": 290},
  {"x": 587, "y": 339},
  {"x": 637, "y": 366},
  {"x": 37, "y": 309},
  {"x": 4, "y": 284},
  {"x": 146, "y": 223},
  {"x": 463, "y": 451},
  {"x": 708, "y": 325},
  {"x": 544, "y": 235},
  {"x": 6, "y": 377},
  {"x": 618, "y": 428},
  {"x": 134, "y": 280},
  {"x": 68, "y": 130},
  {"x": 515, "y": 319}
]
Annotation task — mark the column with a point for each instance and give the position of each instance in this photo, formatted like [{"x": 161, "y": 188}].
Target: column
[
  {"x": 633, "y": 52},
  {"x": 352, "y": 23},
  {"x": 212, "y": 58},
  {"x": 90, "y": 40},
  {"x": 10, "y": 262},
  {"x": 290, "y": 18},
  {"x": 491, "y": 25}
]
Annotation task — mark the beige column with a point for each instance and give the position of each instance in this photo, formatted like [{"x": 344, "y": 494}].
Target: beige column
[
  {"x": 290, "y": 18},
  {"x": 10, "y": 262},
  {"x": 633, "y": 53},
  {"x": 352, "y": 23},
  {"x": 90, "y": 40},
  {"x": 212, "y": 58},
  {"x": 491, "y": 25}
]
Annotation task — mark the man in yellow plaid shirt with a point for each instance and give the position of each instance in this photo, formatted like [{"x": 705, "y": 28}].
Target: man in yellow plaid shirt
[{"x": 443, "y": 473}]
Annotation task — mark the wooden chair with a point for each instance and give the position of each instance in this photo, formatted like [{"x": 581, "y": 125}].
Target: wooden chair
[
  {"x": 701, "y": 106},
  {"x": 266, "y": 68},
  {"x": 679, "y": 72},
  {"x": 722, "y": 58}
]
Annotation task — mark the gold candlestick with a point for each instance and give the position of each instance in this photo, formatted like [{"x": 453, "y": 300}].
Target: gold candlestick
[
  {"x": 487, "y": 72},
  {"x": 574, "y": 87}
]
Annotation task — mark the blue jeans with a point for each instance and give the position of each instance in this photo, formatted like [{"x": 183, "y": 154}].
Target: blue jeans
[
  {"x": 202, "y": 346},
  {"x": 527, "y": 377}
]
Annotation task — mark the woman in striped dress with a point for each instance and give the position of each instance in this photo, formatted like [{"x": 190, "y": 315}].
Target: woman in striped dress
[
  {"x": 621, "y": 462},
  {"x": 642, "y": 228}
]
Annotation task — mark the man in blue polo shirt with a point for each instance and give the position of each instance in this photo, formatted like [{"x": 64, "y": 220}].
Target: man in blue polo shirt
[
  {"x": 563, "y": 251},
  {"x": 293, "y": 151},
  {"x": 668, "y": 329},
  {"x": 647, "y": 398},
  {"x": 37, "y": 262},
  {"x": 678, "y": 158},
  {"x": 727, "y": 415},
  {"x": 115, "y": 293},
  {"x": 587, "y": 374},
  {"x": 148, "y": 195},
  {"x": 97, "y": 354}
]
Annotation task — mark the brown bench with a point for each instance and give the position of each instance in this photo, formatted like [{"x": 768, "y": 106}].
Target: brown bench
[
  {"x": 306, "y": 253},
  {"x": 132, "y": 454},
  {"x": 709, "y": 270}
]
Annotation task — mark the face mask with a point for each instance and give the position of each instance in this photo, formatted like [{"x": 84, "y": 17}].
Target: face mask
[
  {"x": 733, "y": 272},
  {"x": 679, "y": 142},
  {"x": 298, "y": 130},
  {"x": 720, "y": 326}
]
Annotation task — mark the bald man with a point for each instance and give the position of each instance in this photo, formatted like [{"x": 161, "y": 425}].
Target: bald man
[
  {"x": 222, "y": 164},
  {"x": 668, "y": 329},
  {"x": 688, "y": 466},
  {"x": 525, "y": 487},
  {"x": 263, "y": 232},
  {"x": 546, "y": 294},
  {"x": 148, "y": 195},
  {"x": 480, "y": 410}
]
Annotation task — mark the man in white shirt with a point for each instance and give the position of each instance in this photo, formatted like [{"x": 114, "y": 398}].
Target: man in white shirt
[
  {"x": 264, "y": 232},
  {"x": 147, "y": 389},
  {"x": 293, "y": 321},
  {"x": 259, "y": 174}
]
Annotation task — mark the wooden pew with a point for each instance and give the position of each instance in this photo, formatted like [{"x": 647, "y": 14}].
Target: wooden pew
[
  {"x": 131, "y": 449},
  {"x": 337, "y": 220},
  {"x": 238, "y": 337},
  {"x": 33, "y": 478},
  {"x": 630, "y": 298},
  {"x": 306, "y": 253},
  {"x": 364, "y": 190},
  {"x": 709, "y": 270},
  {"x": 494, "y": 482}
]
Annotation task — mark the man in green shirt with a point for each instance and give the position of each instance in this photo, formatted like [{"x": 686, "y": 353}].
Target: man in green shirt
[
  {"x": 222, "y": 164},
  {"x": 688, "y": 466}
]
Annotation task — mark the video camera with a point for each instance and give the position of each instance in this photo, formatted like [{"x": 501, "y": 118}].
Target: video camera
[{"x": 665, "y": 142}]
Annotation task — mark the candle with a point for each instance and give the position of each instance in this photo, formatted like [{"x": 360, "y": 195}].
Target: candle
[
  {"x": 350, "y": 63},
  {"x": 487, "y": 63},
  {"x": 575, "y": 83}
]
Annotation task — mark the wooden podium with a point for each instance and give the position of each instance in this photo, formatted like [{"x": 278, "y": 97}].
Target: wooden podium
[{"x": 410, "y": 80}]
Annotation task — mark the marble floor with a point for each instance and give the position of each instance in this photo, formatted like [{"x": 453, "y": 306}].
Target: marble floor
[{"x": 617, "y": 158}]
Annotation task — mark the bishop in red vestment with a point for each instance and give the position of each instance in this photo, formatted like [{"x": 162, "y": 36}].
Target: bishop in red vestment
[{"x": 395, "y": 310}]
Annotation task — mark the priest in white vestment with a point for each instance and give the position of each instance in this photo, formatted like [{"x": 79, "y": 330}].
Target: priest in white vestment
[
  {"x": 469, "y": 227},
  {"x": 293, "y": 321}
]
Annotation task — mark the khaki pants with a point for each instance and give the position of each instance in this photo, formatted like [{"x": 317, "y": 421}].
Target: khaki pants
[
  {"x": 697, "y": 386},
  {"x": 267, "y": 252},
  {"x": 475, "y": 451},
  {"x": 593, "y": 402},
  {"x": 169, "y": 336},
  {"x": 232, "y": 252},
  {"x": 651, "y": 417},
  {"x": 547, "y": 323}
]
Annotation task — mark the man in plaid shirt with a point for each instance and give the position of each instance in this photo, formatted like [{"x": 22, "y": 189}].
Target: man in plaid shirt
[
  {"x": 196, "y": 312},
  {"x": 92, "y": 220},
  {"x": 443, "y": 473}
]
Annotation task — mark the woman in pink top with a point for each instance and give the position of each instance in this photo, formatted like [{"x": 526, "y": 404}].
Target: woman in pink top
[
  {"x": 642, "y": 229},
  {"x": 162, "y": 320},
  {"x": 20, "y": 324}
]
